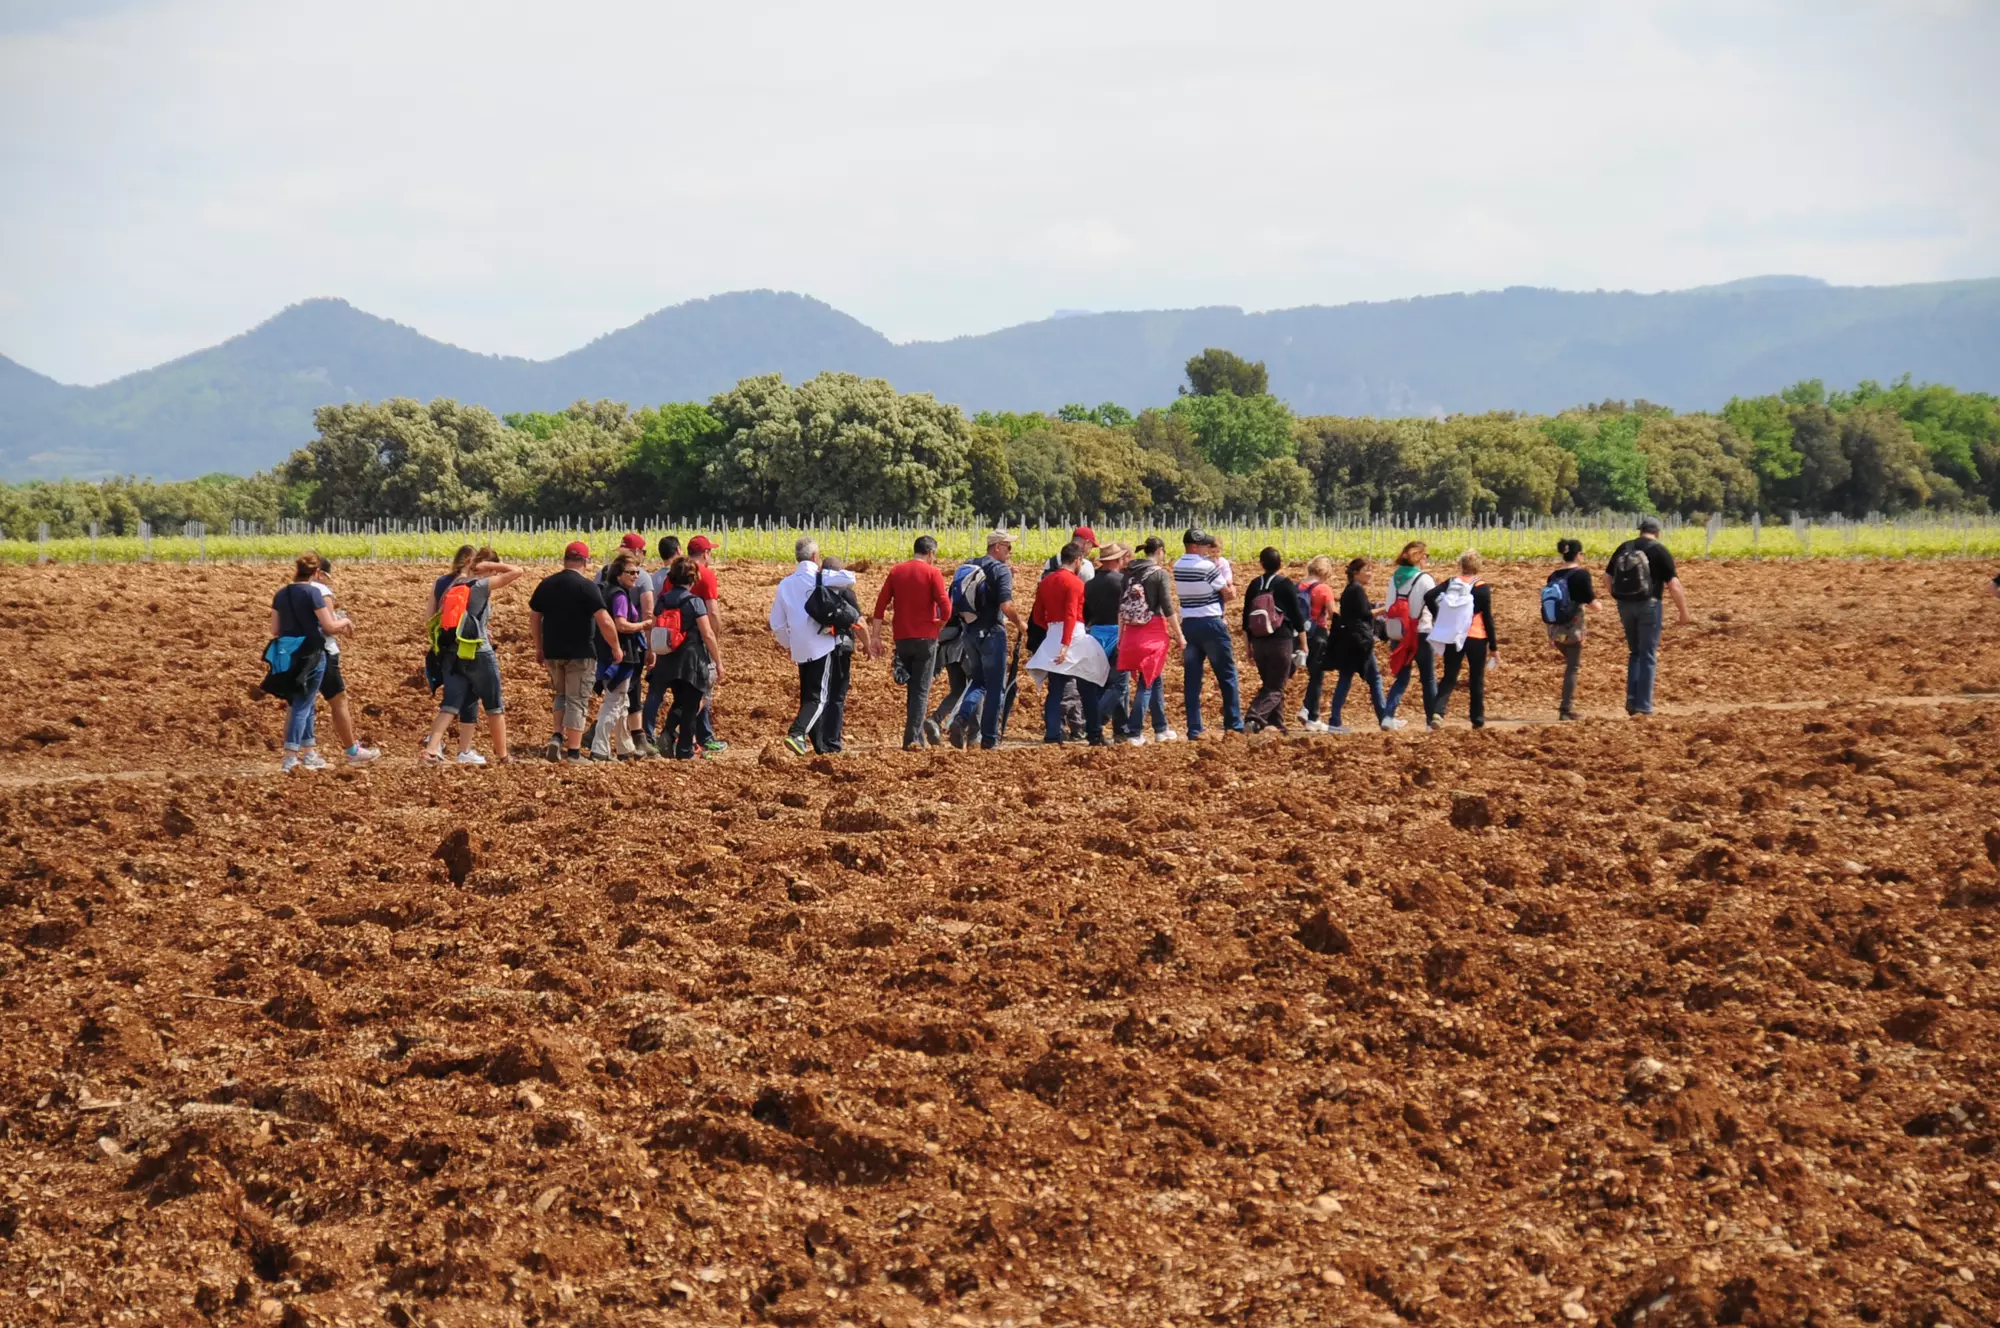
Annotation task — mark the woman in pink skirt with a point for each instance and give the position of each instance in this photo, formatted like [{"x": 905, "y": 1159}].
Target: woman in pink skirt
[{"x": 1147, "y": 620}]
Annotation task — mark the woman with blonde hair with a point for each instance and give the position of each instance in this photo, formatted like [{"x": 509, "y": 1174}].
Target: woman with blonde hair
[
  {"x": 1406, "y": 624},
  {"x": 1461, "y": 613},
  {"x": 1320, "y": 600}
]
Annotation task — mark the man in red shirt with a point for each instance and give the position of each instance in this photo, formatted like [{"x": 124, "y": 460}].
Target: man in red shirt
[
  {"x": 699, "y": 550},
  {"x": 915, "y": 591},
  {"x": 1058, "y": 607}
]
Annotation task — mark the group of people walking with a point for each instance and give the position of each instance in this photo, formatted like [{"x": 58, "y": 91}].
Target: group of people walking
[{"x": 646, "y": 644}]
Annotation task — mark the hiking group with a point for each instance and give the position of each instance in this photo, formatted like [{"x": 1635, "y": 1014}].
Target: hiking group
[{"x": 1097, "y": 635}]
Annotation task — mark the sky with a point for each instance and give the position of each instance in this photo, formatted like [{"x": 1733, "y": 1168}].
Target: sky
[{"x": 522, "y": 177}]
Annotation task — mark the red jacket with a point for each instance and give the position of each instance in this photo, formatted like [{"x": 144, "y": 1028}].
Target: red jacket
[
  {"x": 1059, "y": 599},
  {"x": 917, "y": 590}
]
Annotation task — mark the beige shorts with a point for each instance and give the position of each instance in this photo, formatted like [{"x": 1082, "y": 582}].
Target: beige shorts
[{"x": 570, "y": 681}]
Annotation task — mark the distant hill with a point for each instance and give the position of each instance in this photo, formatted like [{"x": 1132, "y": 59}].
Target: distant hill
[{"x": 245, "y": 404}]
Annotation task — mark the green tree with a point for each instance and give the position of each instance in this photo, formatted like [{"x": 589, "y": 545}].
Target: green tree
[
  {"x": 1766, "y": 422},
  {"x": 1279, "y": 487},
  {"x": 675, "y": 443},
  {"x": 1887, "y": 465},
  {"x": 1689, "y": 469},
  {"x": 1610, "y": 468},
  {"x": 1041, "y": 466},
  {"x": 993, "y": 489},
  {"x": 1823, "y": 466},
  {"x": 1217, "y": 371},
  {"x": 1236, "y": 434},
  {"x": 1107, "y": 413}
]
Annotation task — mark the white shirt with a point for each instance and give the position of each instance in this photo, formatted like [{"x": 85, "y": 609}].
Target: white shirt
[
  {"x": 1199, "y": 584},
  {"x": 324, "y": 594},
  {"x": 792, "y": 625}
]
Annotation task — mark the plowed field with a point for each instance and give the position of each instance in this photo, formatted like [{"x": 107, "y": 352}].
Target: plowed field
[{"x": 1683, "y": 1022}]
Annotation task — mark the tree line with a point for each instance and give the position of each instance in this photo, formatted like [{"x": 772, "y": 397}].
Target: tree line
[{"x": 843, "y": 446}]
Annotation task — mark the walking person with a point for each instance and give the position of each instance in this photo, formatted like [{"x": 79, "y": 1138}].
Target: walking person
[
  {"x": 471, "y": 670},
  {"x": 1566, "y": 598},
  {"x": 1642, "y": 573},
  {"x": 1462, "y": 624},
  {"x": 302, "y": 626},
  {"x": 1407, "y": 623},
  {"x": 433, "y": 661},
  {"x": 1352, "y": 647},
  {"x": 687, "y": 658},
  {"x": 1101, "y": 596},
  {"x": 623, "y": 660},
  {"x": 1321, "y": 599},
  {"x": 1147, "y": 620},
  {"x": 333, "y": 686},
  {"x": 1058, "y": 609},
  {"x": 701, "y": 551},
  {"x": 566, "y": 617},
  {"x": 1084, "y": 536},
  {"x": 985, "y": 604},
  {"x": 812, "y": 644},
  {"x": 1274, "y": 624},
  {"x": 914, "y": 596},
  {"x": 1205, "y": 586},
  {"x": 657, "y": 693}
]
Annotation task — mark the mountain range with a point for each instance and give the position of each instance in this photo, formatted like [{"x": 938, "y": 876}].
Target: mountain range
[{"x": 246, "y": 404}]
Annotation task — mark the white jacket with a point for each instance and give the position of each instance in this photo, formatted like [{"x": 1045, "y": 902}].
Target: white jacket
[{"x": 792, "y": 625}]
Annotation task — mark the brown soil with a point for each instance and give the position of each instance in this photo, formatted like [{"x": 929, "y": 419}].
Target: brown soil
[{"x": 1690, "y": 1022}]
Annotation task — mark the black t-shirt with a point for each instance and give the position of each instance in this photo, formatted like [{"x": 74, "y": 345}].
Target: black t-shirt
[
  {"x": 1100, "y": 598},
  {"x": 1284, "y": 593},
  {"x": 1582, "y": 589},
  {"x": 298, "y": 613},
  {"x": 568, "y": 602},
  {"x": 1657, "y": 555}
]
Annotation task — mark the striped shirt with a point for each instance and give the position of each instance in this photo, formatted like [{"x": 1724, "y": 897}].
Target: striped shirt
[{"x": 1198, "y": 584}]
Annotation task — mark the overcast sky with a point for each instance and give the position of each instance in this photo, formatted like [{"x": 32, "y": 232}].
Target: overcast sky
[{"x": 521, "y": 177}]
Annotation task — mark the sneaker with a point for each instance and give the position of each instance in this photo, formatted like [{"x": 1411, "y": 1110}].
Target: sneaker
[
  {"x": 1139, "y": 741},
  {"x": 1168, "y": 736},
  {"x": 1434, "y": 723},
  {"x": 289, "y": 764},
  {"x": 1253, "y": 725},
  {"x": 1391, "y": 724},
  {"x": 359, "y": 755},
  {"x": 799, "y": 746},
  {"x": 573, "y": 755},
  {"x": 471, "y": 758},
  {"x": 1338, "y": 728},
  {"x": 1306, "y": 719},
  {"x": 714, "y": 745},
  {"x": 311, "y": 760},
  {"x": 604, "y": 757},
  {"x": 1313, "y": 725},
  {"x": 932, "y": 733},
  {"x": 554, "y": 749},
  {"x": 956, "y": 733},
  {"x": 1567, "y": 717}
]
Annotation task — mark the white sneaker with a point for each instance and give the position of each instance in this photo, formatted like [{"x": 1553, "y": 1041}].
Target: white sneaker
[
  {"x": 312, "y": 760},
  {"x": 1338, "y": 728},
  {"x": 1391, "y": 724},
  {"x": 359, "y": 755},
  {"x": 289, "y": 764},
  {"x": 1139, "y": 741},
  {"x": 1314, "y": 725},
  {"x": 471, "y": 758},
  {"x": 1306, "y": 719},
  {"x": 1168, "y": 736}
]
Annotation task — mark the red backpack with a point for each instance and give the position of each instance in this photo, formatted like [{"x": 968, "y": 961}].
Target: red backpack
[{"x": 669, "y": 628}]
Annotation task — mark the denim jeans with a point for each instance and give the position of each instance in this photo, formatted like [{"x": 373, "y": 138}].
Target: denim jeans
[
  {"x": 986, "y": 681},
  {"x": 1147, "y": 701},
  {"x": 1371, "y": 674},
  {"x": 1054, "y": 727},
  {"x": 1315, "y": 671},
  {"x": 1102, "y": 699},
  {"x": 1642, "y": 619},
  {"x": 1208, "y": 640},
  {"x": 299, "y": 720},
  {"x": 1426, "y": 667}
]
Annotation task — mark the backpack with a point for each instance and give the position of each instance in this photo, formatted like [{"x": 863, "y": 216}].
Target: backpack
[
  {"x": 670, "y": 627},
  {"x": 1632, "y": 573},
  {"x": 1399, "y": 620},
  {"x": 828, "y": 607},
  {"x": 1133, "y": 610},
  {"x": 1265, "y": 618},
  {"x": 1557, "y": 606},
  {"x": 460, "y": 610},
  {"x": 969, "y": 585},
  {"x": 1453, "y": 618}
]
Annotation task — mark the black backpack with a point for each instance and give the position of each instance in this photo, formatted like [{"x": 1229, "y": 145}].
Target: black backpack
[
  {"x": 829, "y": 608},
  {"x": 1632, "y": 573}
]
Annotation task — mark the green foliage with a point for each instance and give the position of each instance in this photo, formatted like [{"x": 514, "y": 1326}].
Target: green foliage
[
  {"x": 1692, "y": 465},
  {"x": 1610, "y": 468},
  {"x": 1237, "y": 434},
  {"x": 1214, "y": 372},
  {"x": 993, "y": 488},
  {"x": 1012, "y": 424},
  {"x": 1766, "y": 422},
  {"x": 1109, "y": 414},
  {"x": 673, "y": 443}
]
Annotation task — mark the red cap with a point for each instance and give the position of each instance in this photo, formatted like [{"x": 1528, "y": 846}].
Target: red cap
[
  {"x": 577, "y": 549},
  {"x": 633, "y": 540},
  {"x": 1085, "y": 536},
  {"x": 700, "y": 544}
]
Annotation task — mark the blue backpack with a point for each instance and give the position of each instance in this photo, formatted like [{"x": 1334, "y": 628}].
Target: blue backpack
[
  {"x": 971, "y": 590},
  {"x": 1557, "y": 606}
]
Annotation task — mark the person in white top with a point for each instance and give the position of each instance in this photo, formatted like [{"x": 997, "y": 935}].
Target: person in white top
[
  {"x": 1408, "y": 584},
  {"x": 334, "y": 686},
  {"x": 811, "y": 644}
]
